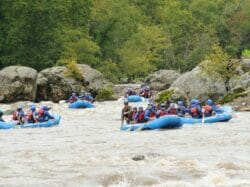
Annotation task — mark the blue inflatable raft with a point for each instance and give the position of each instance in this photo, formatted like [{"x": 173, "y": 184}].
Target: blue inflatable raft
[
  {"x": 222, "y": 115},
  {"x": 7, "y": 125},
  {"x": 164, "y": 122},
  {"x": 81, "y": 104},
  {"x": 52, "y": 122},
  {"x": 134, "y": 98}
]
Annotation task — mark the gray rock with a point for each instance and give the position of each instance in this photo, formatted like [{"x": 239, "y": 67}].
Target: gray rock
[
  {"x": 245, "y": 80},
  {"x": 17, "y": 83},
  {"x": 53, "y": 83},
  {"x": 239, "y": 82},
  {"x": 120, "y": 89},
  {"x": 245, "y": 64},
  {"x": 198, "y": 84},
  {"x": 162, "y": 79},
  {"x": 138, "y": 157}
]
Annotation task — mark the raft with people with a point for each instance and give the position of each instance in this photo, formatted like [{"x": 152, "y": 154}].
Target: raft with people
[
  {"x": 223, "y": 115},
  {"x": 143, "y": 95},
  {"x": 148, "y": 119},
  {"x": 14, "y": 124},
  {"x": 164, "y": 122},
  {"x": 31, "y": 119},
  {"x": 192, "y": 114},
  {"x": 81, "y": 104},
  {"x": 84, "y": 100}
]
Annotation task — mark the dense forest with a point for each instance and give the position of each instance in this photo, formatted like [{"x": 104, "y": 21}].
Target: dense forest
[{"x": 122, "y": 38}]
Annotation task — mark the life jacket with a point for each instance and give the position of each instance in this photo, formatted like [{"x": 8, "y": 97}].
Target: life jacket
[
  {"x": 134, "y": 115},
  {"x": 14, "y": 116},
  {"x": 162, "y": 113},
  {"x": 208, "y": 109},
  {"x": 172, "y": 111},
  {"x": 194, "y": 111},
  {"x": 40, "y": 112},
  {"x": 73, "y": 99},
  {"x": 30, "y": 115},
  {"x": 146, "y": 93},
  {"x": 140, "y": 117},
  {"x": 152, "y": 114}
]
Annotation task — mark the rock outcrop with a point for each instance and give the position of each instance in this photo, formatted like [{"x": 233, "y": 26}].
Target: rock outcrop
[
  {"x": 198, "y": 84},
  {"x": 17, "y": 83},
  {"x": 120, "y": 89},
  {"x": 240, "y": 82},
  {"x": 162, "y": 79},
  {"x": 53, "y": 83}
]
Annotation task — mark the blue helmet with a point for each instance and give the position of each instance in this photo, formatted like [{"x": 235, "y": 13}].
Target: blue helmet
[
  {"x": 192, "y": 102},
  {"x": 197, "y": 102},
  {"x": 45, "y": 108},
  {"x": 33, "y": 107},
  {"x": 209, "y": 101},
  {"x": 180, "y": 103}
]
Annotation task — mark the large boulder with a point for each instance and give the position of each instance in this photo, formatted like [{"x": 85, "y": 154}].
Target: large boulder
[
  {"x": 171, "y": 95},
  {"x": 245, "y": 64},
  {"x": 162, "y": 79},
  {"x": 17, "y": 83},
  {"x": 199, "y": 84},
  {"x": 54, "y": 84},
  {"x": 241, "y": 82},
  {"x": 120, "y": 89}
]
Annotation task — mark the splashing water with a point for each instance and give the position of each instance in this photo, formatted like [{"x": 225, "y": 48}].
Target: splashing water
[{"x": 87, "y": 149}]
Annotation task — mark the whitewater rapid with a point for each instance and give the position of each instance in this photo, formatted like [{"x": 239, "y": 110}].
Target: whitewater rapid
[{"x": 88, "y": 149}]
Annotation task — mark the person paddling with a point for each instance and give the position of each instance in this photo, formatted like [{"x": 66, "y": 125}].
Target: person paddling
[
  {"x": 172, "y": 109},
  {"x": 162, "y": 110},
  {"x": 194, "y": 109},
  {"x": 126, "y": 111},
  {"x": 44, "y": 115},
  {"x": 145, "y": 92},
  {"x": 181, "y": 109},
  {"x": 1, "y": 116},
  {"x": 210, "y": 108},
  {"x": 134, "y": 115},
  {"x": 150, "y": 113},
  {"x": 19, "y": 115},
  {"x": 32, "y": 115},
  {"x": 73, "y": 98},
  {"x": 140, "y": 118}
]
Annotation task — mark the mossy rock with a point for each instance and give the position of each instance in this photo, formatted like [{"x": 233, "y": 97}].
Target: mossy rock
[
  {"x": 240, "y": 92},
  {"x": 171, "y": 95},
  {"x": 105, "y": 94},
  {"x": 164, "y": 96}
]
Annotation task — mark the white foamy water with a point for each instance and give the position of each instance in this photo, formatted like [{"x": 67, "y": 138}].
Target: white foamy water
[{"x": 87, "y": 149}]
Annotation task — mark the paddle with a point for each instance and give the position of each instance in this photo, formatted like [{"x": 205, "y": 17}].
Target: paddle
[
  {"x": 203, "y": 116},
  {"x": 121, "y": 124}
]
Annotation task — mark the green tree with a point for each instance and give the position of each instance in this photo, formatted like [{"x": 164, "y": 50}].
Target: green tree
[{"x": 142, "y": 52}]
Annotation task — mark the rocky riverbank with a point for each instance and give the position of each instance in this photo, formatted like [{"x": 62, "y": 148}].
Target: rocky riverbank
[{"x": 20, "y": 83}]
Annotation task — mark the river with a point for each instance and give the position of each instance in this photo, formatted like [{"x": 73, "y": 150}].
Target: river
[{"x": 87, "y": 149}]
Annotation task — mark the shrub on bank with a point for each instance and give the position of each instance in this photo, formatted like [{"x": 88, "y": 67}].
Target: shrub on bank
[{"x": 105, "y": 94}]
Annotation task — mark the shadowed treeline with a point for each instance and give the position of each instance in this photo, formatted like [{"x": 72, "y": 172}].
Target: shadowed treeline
[{"x": 128, "y": 38}]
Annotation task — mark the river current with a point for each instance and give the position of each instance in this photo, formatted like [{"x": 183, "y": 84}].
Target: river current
[{"x": 88, "y": 149}]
